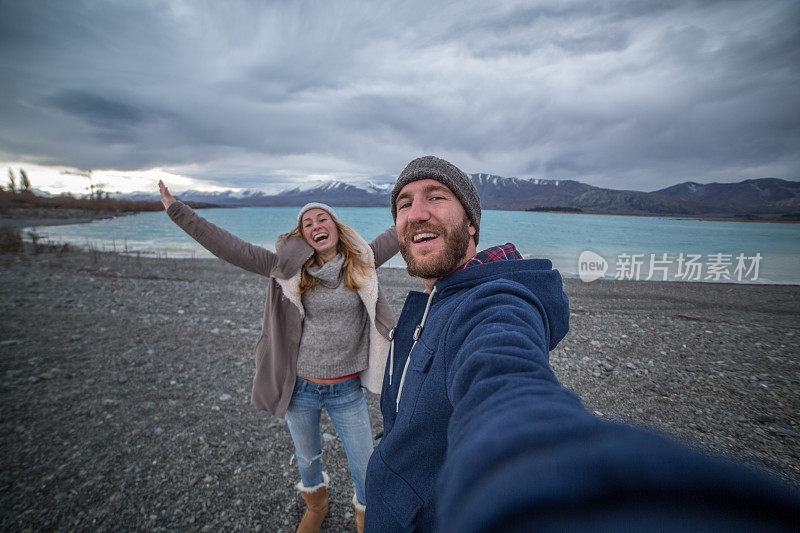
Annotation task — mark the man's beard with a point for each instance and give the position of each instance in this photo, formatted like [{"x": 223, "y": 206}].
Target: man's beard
[{"x": 456, "y": 242}]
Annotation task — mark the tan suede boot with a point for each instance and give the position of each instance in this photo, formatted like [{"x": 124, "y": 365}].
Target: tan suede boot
[
  {"x": 360, "y": 510},
  {"x": 316, "y": 498}
]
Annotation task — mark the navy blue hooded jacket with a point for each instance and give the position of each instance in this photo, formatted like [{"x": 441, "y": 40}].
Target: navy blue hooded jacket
[{"x": 484, "y": 437}]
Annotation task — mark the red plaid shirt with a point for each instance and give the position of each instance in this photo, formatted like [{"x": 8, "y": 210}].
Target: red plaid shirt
[{"x": 505, "y": 252}]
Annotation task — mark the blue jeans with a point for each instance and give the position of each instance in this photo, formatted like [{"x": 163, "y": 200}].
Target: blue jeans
[{"x": 348, "y": 411}]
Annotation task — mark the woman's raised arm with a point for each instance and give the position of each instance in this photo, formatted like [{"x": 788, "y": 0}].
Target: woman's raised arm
[
  {"x": 385, "y": 246},
  {"x": 216, "y": 240}
]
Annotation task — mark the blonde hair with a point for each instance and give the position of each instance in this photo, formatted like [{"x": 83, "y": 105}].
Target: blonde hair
[{"x": 354, "y": 268}]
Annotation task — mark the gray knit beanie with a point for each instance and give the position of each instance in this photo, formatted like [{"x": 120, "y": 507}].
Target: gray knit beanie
[
  {"x": 317, "y": 205},
  {"x": 430, "y": 167}
]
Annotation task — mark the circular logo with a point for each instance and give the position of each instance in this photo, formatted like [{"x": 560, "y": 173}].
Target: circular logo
[{"x": 591, "y": 266}]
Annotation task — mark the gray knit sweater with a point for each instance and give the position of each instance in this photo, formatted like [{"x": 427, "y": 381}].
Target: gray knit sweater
[{"x": 335, "y": 340}]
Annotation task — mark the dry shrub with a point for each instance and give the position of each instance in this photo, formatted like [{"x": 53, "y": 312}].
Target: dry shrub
[{"x": 10, "y": 241}]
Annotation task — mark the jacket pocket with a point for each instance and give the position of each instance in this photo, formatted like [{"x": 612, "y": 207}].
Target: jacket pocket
[
  {"x": 397, "y": 494},
  {"x": 421, "y": 359}
]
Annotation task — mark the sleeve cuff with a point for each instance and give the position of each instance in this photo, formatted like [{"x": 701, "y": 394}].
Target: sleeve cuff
[{"x": 174, "y": 207}]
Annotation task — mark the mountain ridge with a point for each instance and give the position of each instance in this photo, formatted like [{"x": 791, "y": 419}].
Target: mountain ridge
[{"x": 752, "y": 198}]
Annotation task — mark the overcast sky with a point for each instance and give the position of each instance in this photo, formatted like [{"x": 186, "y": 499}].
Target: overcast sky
[{"x": 628, "y": 94}]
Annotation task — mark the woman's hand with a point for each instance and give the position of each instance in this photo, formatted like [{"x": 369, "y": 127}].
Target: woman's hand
[{"x": 166, "y": 198}]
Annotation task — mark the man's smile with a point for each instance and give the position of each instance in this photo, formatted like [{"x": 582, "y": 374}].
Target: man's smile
[{"x": 424, "y": 238}]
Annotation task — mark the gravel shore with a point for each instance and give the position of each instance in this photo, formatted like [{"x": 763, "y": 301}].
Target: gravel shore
[{"x": 125, "y": 387}]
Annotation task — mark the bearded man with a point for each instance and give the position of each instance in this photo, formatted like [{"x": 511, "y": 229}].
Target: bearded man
[{"x": 478, "y": 433}]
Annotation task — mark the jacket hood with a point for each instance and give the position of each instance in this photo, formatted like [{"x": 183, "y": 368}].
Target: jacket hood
[
  {"x": 292, "y": 252},
  {"x": 537, "y": 275}
]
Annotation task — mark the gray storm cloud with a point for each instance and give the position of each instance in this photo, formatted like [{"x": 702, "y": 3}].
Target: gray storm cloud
[{"x": 618, "y": 94}]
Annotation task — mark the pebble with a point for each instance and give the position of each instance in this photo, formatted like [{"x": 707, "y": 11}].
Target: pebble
[
  {"x": 785, "y": 432},
  {"x": 225, "y": 397}
]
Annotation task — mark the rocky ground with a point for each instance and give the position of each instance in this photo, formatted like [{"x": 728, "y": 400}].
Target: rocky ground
[{"x": 125, "y": 387}]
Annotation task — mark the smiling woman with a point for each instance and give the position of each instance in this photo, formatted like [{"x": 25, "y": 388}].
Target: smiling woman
[
  {"x": 329, "y": 238},
  {"x": 324, "y": 336}
]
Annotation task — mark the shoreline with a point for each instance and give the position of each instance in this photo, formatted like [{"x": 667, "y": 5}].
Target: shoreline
[
  {"x": 32, "y": 217},
  {"x": 47, "y": 216},
  {"x": 772, "y": 219},
  {"x": 126, "y": 385}
]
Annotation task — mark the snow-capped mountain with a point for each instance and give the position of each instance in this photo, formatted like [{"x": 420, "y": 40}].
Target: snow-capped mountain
[
  {"x": 515, "y": 193},
  {"x": 336, "y": 193}
]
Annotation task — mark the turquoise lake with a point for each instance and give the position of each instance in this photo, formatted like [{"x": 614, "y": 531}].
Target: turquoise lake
[{"x": 717, "y": 247}]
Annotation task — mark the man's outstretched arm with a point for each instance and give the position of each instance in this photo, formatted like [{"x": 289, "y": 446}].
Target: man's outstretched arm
[{"x": 524, "y": 453}]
